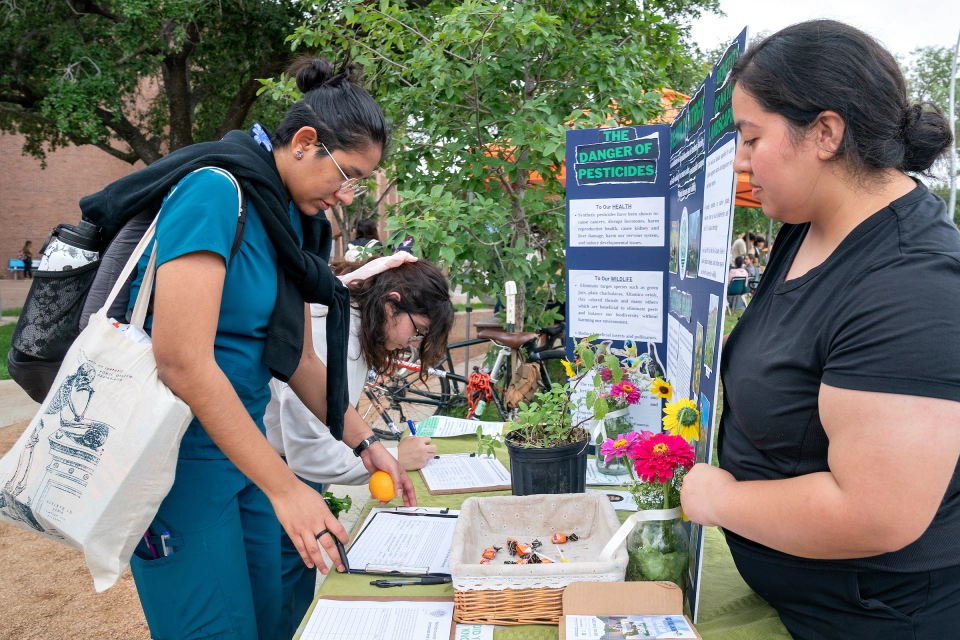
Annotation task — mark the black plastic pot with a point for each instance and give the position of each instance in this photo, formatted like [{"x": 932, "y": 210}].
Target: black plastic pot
[{"x": 547, "y": 470}]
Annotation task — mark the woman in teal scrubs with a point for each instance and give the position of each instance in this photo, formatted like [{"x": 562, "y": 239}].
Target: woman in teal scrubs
[{"x": 213, "y": 331}]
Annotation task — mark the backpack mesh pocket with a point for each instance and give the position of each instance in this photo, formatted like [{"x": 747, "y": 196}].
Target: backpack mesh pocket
[{"x": 50, "y": 319}]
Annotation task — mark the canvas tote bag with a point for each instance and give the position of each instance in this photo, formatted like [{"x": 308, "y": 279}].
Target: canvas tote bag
[{"x": 99, "y": 457}]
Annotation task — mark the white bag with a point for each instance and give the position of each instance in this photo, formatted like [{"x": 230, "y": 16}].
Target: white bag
[{"x": 100, "y": 456}]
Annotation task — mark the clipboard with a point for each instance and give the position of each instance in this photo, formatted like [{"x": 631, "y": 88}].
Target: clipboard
[
  {"x": 445, "y": 492},
  {"x": 453, "y": 625},
  {"x": 396, "y": 569}
]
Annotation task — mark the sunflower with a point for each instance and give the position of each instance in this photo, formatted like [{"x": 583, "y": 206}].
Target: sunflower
[
  {"x": 682, "y": 419},
  {"x": 569, "y": 368},
  {"x": 662, "y": 389}
]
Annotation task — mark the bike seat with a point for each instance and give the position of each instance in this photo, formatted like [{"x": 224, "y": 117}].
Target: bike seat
[{"x": 512, "y": 340}]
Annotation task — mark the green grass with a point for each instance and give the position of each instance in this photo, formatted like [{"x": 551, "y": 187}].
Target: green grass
[
  {"x": 11, "y": 312},
  {"x": 462, "y": 306},
  {"x": 6, "y": 334},
  {"x": 730, "y": 320}
]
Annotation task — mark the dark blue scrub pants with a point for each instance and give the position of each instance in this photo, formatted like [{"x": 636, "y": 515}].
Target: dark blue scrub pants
[
  {"x": 299, "y": 582},
  {"x": 223, "y": 580}
]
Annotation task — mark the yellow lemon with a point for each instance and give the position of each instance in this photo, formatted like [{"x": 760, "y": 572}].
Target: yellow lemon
[{"x": 381, "y": 486}]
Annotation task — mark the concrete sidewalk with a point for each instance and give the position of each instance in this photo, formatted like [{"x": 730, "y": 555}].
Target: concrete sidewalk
[{"x": 15, "y": 405}]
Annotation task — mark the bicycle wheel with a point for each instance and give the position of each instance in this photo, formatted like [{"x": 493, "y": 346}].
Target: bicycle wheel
[{"x": 400, "y": 397}]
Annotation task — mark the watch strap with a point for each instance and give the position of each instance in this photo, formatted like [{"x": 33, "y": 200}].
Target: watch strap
[{"x": 360, "y": 448}]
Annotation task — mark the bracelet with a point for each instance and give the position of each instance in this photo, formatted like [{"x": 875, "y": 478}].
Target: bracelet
[{"x": 360, "y": 448}]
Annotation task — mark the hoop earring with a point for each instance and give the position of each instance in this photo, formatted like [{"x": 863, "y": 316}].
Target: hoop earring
[{"x": 298, "y": 154}]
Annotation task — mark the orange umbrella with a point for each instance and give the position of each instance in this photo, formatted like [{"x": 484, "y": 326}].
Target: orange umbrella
[{"x": 744, "y": 197}]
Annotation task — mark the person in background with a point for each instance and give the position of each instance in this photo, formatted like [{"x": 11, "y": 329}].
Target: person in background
[
  {"x": 26, "y": 254},
  {"x": 366, "y": 243},
  {"x": 739, "y": 246},
  {"x": 750, "y": 267},
  {"x": 737, "y": 270},
  {"x": 383, "y": 291},
  {"x": 839, "y": 485}
]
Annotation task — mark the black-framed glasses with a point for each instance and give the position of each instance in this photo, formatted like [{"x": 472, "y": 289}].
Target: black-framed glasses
[
  {"x": 420, "y": 335},
  {"x": 348, "y": 184}
]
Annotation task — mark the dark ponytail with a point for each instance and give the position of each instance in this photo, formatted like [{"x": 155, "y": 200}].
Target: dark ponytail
[
  {"x": 336, "y": 105},
  {"x": 823, "y": 65}
]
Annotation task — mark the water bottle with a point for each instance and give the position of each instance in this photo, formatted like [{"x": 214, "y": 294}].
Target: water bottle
[
  {"x": 70, "y": 247},
  {"x": 481, "y": 406}
]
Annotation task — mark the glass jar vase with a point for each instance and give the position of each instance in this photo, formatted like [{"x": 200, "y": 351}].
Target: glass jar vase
[
  {"x": 657, "y": 551},
  {"x": 614, "y": 423}
]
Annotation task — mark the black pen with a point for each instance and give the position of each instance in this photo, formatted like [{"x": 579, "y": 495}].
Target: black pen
[{"x": 426, "y": 580}]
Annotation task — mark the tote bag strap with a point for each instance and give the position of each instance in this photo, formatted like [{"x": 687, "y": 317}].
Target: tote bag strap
[{"x": 128, "y": 269}]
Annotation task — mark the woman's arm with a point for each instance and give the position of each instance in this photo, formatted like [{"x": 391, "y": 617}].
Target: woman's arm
[
  {"x": 186, "y": 310},
  {"x": 891, "y": 459},
  {"x": 309, "y": 382}
]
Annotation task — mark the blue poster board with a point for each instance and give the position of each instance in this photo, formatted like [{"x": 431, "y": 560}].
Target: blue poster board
[{"x": 649, "y": 222}]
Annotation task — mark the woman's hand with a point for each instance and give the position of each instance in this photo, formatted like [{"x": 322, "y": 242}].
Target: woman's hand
[
  {"x": 303, "y": 513},
  {"x": 698, "y": 496},
  {"x": 377, "y": 458},
  {"x": 415, "y": 452},
  {"x": 379, "y": 265}
]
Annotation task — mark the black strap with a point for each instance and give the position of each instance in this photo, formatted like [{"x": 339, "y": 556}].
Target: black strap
[{"x": 241, "y": 222}]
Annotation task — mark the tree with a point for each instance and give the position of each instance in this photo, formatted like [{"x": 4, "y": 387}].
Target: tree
[
  {"x": 136, "y": 78},
  {"x": 481, "y": 93},
  {"x": 928, "y": 81}
]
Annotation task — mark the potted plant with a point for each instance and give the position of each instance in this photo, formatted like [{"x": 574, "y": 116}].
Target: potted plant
[
  {"x": 656, "y": 463},
  {"x": 547, "y": 439}
]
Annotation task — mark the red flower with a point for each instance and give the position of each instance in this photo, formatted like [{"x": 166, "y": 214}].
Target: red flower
[{"x": 657, "y": 458}]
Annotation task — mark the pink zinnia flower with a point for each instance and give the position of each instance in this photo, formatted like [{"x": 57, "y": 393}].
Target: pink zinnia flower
[
  {"x": 627, "y": 391},
  {"x": 658, "y": 457},
  {"x": 621, "y": 446}
]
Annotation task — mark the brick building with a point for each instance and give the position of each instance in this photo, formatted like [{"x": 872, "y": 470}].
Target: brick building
[{"x": 34, "y": 200}]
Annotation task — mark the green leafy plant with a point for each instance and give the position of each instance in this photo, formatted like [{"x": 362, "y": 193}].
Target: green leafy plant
[
  {"x": 337, "y": 505},
  {"x": 487, "y": 444}
]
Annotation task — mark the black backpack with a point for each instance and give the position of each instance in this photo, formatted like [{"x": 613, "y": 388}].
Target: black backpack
[{"x": 60, "y": 303}]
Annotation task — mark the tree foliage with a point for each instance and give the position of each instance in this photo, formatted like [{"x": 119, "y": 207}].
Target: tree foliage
[
  {"x": 481, "y": 93},
  {"x": 136, "y": 78},
  {"x": 928, "y": 80}
]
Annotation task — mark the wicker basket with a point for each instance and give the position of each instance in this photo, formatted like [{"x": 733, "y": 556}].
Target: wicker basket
[{"x": 503, "y": 594}]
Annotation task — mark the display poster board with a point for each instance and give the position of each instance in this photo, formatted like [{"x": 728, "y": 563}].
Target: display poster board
[{"x": 649, "y": 223}]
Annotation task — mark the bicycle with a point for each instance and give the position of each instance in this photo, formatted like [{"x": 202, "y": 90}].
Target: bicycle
[{"x": 441, "y": 391}]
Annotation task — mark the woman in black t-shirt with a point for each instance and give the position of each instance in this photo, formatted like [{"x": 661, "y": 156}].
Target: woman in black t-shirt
[{"x": 839, "y": 489}]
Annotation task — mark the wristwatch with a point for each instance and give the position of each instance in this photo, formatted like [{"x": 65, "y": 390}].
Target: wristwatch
[{"x": 360, "y": 448}]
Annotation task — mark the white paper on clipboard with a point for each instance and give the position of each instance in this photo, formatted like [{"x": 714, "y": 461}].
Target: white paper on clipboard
[{"x": 415, "y": 542}]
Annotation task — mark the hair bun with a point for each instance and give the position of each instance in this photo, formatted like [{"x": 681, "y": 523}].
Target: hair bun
[
  {"x": 926, "y": 134},
  {"x": 313, "y": 73}
]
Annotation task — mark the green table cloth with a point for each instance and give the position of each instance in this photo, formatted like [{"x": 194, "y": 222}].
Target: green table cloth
[{"x": 729, "y": 610}]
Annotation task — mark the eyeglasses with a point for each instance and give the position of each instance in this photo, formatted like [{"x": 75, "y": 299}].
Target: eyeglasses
[
  {"x": 420, "y": 335},
  {"x": 348, "y": 184}
]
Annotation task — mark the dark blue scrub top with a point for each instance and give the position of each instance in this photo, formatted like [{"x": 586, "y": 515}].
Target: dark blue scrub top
[{"x": 200, "y": 214}]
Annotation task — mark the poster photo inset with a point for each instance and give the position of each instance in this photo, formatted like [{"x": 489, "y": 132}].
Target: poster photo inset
[
  {"x": 674, "y": 246},
  {"x": 697, "y": 361},
  {"x": 710, "y": 347},
  {"x": 693, "y": 245},
  {"x": 683, "y": 242}
]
